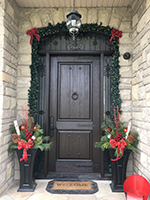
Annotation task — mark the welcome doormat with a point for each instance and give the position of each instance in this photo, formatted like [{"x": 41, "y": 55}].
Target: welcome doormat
[{"x": 72, "y": 187}]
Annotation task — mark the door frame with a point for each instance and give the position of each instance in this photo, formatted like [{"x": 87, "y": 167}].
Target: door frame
[{"x": 73, "y": 53}]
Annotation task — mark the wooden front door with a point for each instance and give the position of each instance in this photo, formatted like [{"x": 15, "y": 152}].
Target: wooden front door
[{"x": 75, "y": 113}]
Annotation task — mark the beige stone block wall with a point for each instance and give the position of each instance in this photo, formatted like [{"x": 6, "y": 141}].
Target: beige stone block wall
[
  {"x": 141, "y": 84},
  {"x": 8, "y": 85}
]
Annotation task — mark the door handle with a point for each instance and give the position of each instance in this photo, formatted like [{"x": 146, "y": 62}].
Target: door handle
[
  {"x": 51, "y": 126},
  {"x": 88, "y": 125}
]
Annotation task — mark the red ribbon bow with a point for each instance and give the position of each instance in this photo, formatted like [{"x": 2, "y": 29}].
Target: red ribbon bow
[
  {"x": 116, "y": 33},
  {"x": 26, "y": 146},
  {"x": 120, "y": 146},
  {"x": 32, "y": 32}
]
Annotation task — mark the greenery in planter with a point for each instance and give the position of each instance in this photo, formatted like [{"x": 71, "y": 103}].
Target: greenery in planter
[
  {"x": 28, "y": 135},
  {"x": 117, "y": 136}
]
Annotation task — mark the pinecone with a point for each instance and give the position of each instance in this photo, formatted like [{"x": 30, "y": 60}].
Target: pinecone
[
  {"x": 15, "y": 138},
  {"x": 131, "y": 138},
  {"x": 29, "y": 140},
  {"x": 24, "y": 141}
]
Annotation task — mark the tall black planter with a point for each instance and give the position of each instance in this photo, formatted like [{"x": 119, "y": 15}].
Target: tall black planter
[
  {"x": 118, "y": 170},
  {"x": 27, "y": 180}
]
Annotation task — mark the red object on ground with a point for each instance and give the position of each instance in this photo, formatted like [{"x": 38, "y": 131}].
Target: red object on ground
[
  {"x": 136, "y": 187},
  {"x": 131, "y": 196}
]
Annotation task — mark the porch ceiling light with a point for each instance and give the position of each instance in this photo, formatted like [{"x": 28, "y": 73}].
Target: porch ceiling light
[{"x": 73, "y": 22}]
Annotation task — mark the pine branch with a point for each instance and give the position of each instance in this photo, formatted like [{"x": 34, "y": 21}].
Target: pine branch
[
  {"x": 110, "y": 123},
  {"x": 43, "y": 146},
  {"x": 12, "y": 129},
  {"x": 135, "y": 133},
  {"x": 47, "y": 146},
  {"x": 104, "y": 139},
  {"x": 98, "y": 144},
  {"x": 103, "y": 126},
  {"x": 106, "y": 145},
  {"x": 11, "y": 147},
  {"x": 46, "y": 138},
  {"x": 38, "y": 146}
]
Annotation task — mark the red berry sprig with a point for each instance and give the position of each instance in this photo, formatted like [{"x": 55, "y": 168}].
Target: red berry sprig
[{"x": 28, "y": 134}]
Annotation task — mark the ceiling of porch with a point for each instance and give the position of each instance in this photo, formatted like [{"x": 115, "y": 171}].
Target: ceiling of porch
[{"x": 69, "y": 3}]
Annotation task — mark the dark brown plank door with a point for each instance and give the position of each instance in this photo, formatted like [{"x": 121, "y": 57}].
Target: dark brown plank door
[{"x": 74, "y": 104}]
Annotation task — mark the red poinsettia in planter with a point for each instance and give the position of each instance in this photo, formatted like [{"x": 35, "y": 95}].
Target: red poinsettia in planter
[
  {"x": 26, "y": 140},
  {"x": 120, "y": 141}
]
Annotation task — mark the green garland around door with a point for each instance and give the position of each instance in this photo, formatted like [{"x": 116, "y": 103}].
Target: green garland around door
[{"x": 40, "y": 33}]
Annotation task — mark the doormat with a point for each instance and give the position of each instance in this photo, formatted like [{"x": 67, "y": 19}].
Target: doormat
[{"x": 72, "y": 187}]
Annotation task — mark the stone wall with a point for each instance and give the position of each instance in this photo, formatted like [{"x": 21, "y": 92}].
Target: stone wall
[
  {"x": 8, "y": 83},
  {"x": 141, "y": 84},
  {"x": 119, "y": 18},
  {"x": 15, "y": 58}
]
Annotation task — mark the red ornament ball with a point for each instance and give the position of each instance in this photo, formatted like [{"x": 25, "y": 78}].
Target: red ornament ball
[
  {"x": 125, "y": 129},
  {"x": 34, "y": 127},
  {"x": 21, "y": 127}
]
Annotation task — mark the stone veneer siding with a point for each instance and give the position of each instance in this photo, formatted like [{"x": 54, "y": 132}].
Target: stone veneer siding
[
  {"x": 15, "y": 58},
  {"x": 119, "y": 18},
  {"x": 8, "y": 86},
  {"x": 141, "y": 84},
  {"x": 135, "y": 73}
]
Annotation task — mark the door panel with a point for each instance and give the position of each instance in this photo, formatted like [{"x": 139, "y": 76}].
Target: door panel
[
  {"x": 75, "y": 105},
  {"x": 74, "y": 91},
  {"x": 74, "y": 144}
]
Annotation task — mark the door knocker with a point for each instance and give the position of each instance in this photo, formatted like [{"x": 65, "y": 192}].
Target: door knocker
[{"x": 74, "y": 96}]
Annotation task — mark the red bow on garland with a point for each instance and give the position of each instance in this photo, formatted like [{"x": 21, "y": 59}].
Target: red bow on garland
[
  {"x": 116, "y": 33},
  {"x": 120, "y": 146},
  {"x": 32, "y": 32},
  {"x": 26, "y": 146}
]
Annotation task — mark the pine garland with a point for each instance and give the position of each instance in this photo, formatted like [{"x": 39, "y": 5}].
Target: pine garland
[{"x": 51, "y": 30}]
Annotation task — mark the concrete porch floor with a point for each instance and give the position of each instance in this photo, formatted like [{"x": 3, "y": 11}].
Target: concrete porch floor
[{"x": 40, "y": 193}]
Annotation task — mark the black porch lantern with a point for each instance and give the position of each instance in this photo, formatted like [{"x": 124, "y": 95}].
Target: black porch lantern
[{"x": 73, "y": 22}]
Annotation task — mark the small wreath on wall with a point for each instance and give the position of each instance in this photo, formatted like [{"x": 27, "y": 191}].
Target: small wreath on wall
[{"x": 39, "y": 33}]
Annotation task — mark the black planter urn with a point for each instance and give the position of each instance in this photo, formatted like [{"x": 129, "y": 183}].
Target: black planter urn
[
  {"x": 27, "y": 180},
  {"x": 118, "y": 170}
]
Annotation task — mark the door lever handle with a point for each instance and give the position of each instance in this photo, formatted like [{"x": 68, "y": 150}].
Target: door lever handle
[{"x": 51, "y": 126}]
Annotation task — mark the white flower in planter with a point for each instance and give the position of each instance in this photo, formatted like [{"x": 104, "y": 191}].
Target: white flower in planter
[
  {"x": 33, "y": 137},
  {"x": 109, "y": 136}
]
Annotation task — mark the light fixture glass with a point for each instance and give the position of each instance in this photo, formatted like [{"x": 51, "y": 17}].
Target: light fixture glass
[{"x": 73, "y": 22}]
